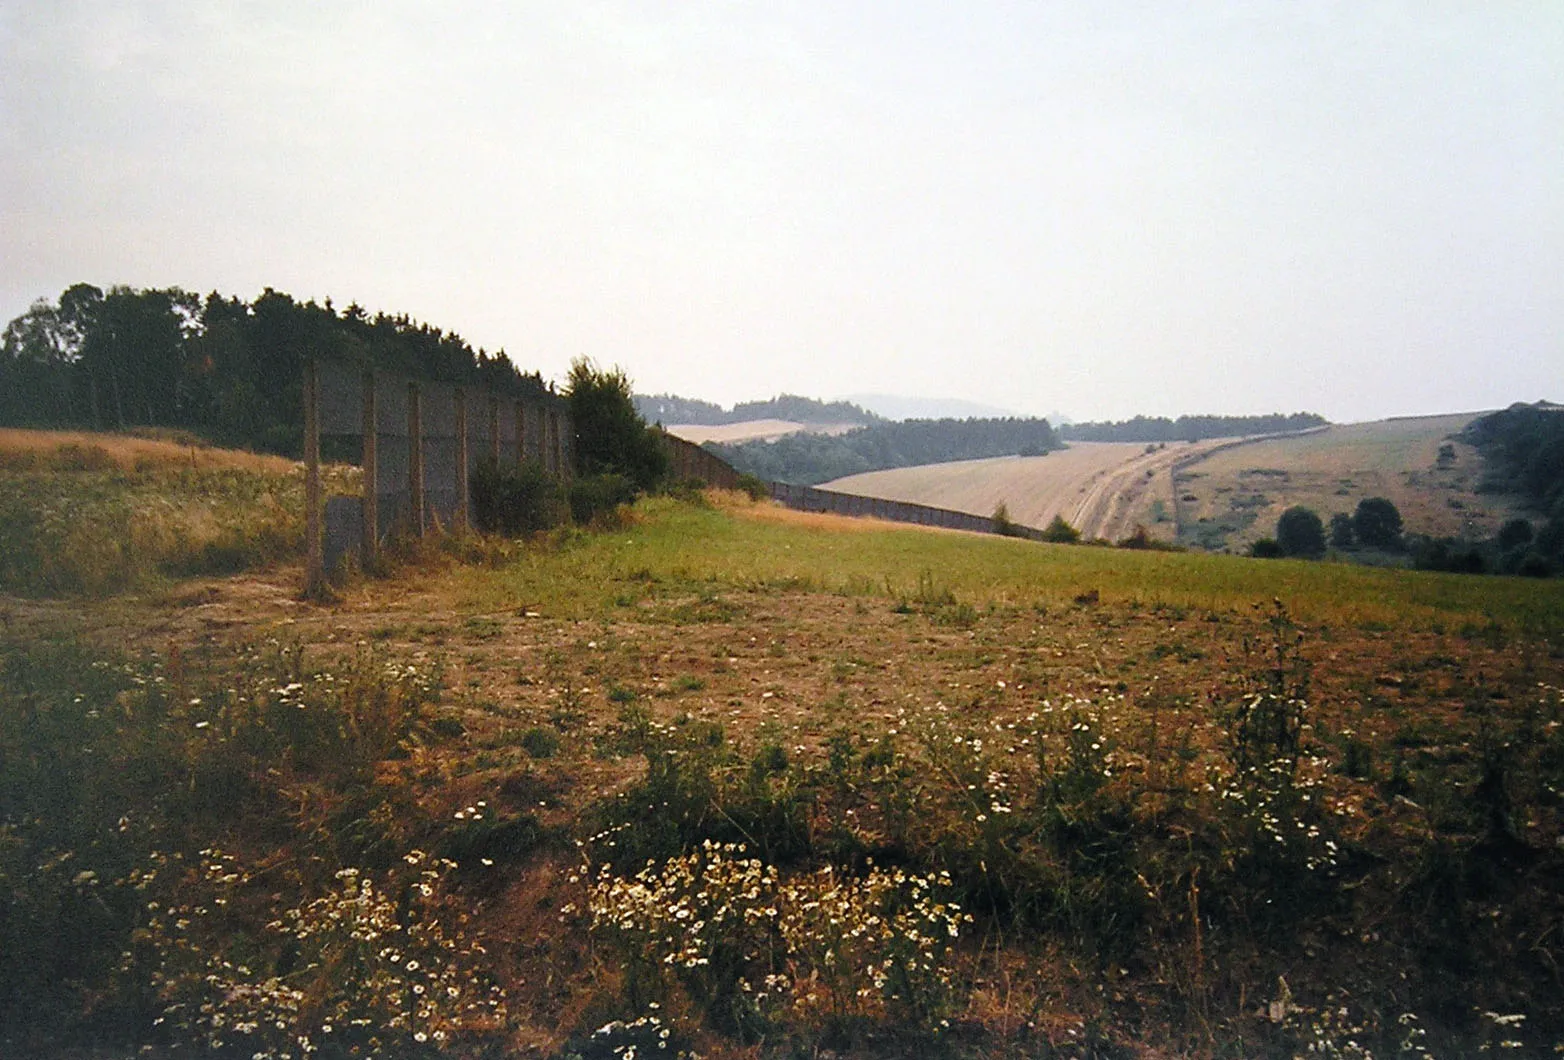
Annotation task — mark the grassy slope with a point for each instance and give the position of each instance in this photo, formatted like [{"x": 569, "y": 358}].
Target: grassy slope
[
  {"x": 1331, "y": 471},
  {"x": 765, "y": 546},
  {"x": 1234, "y": 495},
  {"x": 568, "y": 667},
  {"x": 99, "y": 513}
]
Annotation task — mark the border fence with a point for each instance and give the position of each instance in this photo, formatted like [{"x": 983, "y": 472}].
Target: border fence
[
  {"x": 812, "y": 499},
  {"x": 418, "y": 443}
]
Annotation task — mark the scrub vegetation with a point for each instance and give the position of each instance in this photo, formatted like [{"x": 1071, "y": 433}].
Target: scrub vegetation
[{"x": 729, "y": 780}]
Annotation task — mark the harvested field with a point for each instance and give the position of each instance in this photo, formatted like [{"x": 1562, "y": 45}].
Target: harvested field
[
  {"x": 1235, "y": 495},
  {"x": 1103, "y": 489}
]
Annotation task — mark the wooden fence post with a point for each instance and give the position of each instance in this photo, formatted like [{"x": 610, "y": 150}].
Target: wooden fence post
[
  {"x": 315, "y": 556},
  {"x": 371, "y": 485},
  {"x": 462, "y": 524},
  {"x": 415, "y": 458}
]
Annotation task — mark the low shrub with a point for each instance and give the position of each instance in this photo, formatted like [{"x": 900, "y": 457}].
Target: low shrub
[
  {"x": 594, "y": 498},
  {"x": 757, "y": 488},
  {"x": 1060, "y": 532},
  {"x": 515, "y": 499}
]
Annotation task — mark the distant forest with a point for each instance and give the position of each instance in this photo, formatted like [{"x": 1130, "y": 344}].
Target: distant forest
[
  {"x": 669, "y": 409},
  {"x": 228, "y": 370},
  {"x": 1188, "y": 428},
  {"x": 810, "y": 459}
]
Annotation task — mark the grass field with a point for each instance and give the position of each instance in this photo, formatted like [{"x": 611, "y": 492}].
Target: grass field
[
  {"x": 92, "y": 514},
  {"x": 749, "y": 783},
  {"x": 764, "y": 545}
]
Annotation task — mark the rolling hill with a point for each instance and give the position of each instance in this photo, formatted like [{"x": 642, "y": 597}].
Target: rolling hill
[{"x": 1220, "y": 494}]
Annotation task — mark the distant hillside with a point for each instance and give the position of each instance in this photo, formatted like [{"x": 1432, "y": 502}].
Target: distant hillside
[
  {"x": 1189, "y": 428},
  {"x": 895, "y": 407},
  {"x": 670, "y": 409},
  {"x": 809, "y": 459}
]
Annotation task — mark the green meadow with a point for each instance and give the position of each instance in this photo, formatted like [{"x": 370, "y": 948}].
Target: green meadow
[{"x": 739, "y": 547}]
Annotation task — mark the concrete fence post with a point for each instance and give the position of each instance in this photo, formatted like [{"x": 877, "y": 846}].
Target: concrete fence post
[
  {"x": 314, "y": 520},
  {"x": 371, "y": 460},
  {"x": 415, "y": 459},
  {"x": 460, "y": 511},
  {"x": 494, "y": 428}
]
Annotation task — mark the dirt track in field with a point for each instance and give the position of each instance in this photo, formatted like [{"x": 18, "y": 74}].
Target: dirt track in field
[{"x": 1103, "y": 489}]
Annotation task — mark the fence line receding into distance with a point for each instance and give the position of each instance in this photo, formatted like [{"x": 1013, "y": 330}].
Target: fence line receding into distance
[{"x": 418, "y": 443}]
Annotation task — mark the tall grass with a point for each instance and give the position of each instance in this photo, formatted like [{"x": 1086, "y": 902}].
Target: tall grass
[{"x": 83, "y": 514}]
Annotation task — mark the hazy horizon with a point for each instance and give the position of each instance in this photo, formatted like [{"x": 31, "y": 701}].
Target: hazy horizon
[{"x": 1111, "y": 210}]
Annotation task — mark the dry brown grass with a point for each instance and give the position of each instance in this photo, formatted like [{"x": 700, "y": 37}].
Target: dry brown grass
[
  {"x": 79, "y": 450},
  {"x": 1332, "y": 470},
  {"x": 740, "y": 505},
  {"x": 1103, "y": 489}
]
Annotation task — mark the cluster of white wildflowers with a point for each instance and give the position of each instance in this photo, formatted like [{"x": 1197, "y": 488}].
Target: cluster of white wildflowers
[
  {"x": 818, "y": 944},
  {"x": 685, "y": 912},
  {"x": 1334, "y": 1031},
  {"x": 876, "y": 944},
  {"x": 1282, "y": 809},
  {"x": 369, "y": 964},
  {"x": 1502, "y": 1032}
]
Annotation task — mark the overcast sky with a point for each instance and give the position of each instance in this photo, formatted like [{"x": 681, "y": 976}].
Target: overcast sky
[{"x": 1352, "y": 208}]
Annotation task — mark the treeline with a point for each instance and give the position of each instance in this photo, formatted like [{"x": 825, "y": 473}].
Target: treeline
[
  {"x": 1523, "y": 448},
  {"x": 669, "y": 409},
  {"x": 228, "y": 370},
  {"x": 1523, "y": 453},
  {"x": 810, "y": 459},
  {"x": 1188, "y": 428}
]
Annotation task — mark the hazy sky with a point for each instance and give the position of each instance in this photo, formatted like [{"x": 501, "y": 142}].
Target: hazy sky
[{"x": 1353, "y": 208}]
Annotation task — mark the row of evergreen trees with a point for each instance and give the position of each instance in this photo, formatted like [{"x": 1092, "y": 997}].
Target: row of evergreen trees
[
  {"x": 1189, "y": 428},
  {"x": 670, "y": 409},
  {"x": 221, "y": 367}
]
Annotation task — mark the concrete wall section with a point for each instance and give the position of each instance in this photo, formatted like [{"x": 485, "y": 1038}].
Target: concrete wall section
[{"x": 810, "y": 499}]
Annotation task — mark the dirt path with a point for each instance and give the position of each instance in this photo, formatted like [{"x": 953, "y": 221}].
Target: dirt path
[{"x": 1118, "y": 499}]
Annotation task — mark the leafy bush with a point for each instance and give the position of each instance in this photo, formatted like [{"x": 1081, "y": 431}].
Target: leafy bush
[
  {"x": 514, "y": 499},
  {"x": 757, "y": 487},
  {"x": 1266, "y": 548},
  {"x": 597, "y": 497},
  {"x": 1341, "y": 534},
  {"x": 611, "y": 437},
  {"x": 1004, "y": 525},
  {"x": 1060, "y": 532},
  {"x": 1377, "y": 522},
  {"x": 1299, "y": 532}
]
